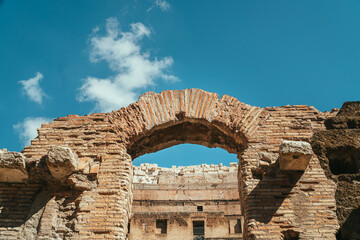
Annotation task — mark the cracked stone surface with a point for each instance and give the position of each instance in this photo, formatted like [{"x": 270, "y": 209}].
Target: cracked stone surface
[
  {"x": 295, "y": 155},
  {"x": 12, "y": 167},
  {"x": 61, "y": 162}
]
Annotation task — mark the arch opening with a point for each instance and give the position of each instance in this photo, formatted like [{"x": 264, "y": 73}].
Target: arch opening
[
  {"x": 188, "y": 131},
  {"x": 191, "y": 201}
]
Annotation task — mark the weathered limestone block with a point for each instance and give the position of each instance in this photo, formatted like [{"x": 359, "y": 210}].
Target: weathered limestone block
[
  {"x": 80, "y": 182},
  {"x": 265, "y": 165},
  {"x": 61, "y": 162},
  {"x": 294, "y": 155},
  {"x": 12, "y": 167},
  {"x": 267, "y": 158}
]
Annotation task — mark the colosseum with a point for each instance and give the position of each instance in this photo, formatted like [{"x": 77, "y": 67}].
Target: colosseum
[{"x": 297, "y": 175}]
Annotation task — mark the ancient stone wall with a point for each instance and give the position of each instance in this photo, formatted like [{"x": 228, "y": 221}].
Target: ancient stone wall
[
  {"x": 94, "y": 201},
  {"x": 277, "y": 201},
  {"x": 338, "y": 149}
]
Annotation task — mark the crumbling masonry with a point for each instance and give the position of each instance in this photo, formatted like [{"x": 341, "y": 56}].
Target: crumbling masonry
[{"x": 75, "y": 179}]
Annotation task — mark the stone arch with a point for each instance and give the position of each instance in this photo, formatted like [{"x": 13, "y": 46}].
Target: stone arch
[
  {"x": 113, "y": 139},
  {"x": 273, "y": 201},
  {"x": 158, "y": 121},
  {"x": 189, "y": 116}
]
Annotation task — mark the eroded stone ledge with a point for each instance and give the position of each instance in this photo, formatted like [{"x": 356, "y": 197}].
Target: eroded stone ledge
[
  {"x": 295, "y": 155},
  {"x": 12, "y": 167}
]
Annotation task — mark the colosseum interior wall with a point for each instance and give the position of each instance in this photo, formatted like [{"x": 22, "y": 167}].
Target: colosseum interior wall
[{"x": 75, "y": 180}]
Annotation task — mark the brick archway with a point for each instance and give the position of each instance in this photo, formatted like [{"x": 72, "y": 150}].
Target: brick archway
[
  {"x": 274, "y": 201},
  {"x": 158, "y": 121},
  {"x": 191, "y": 116}
]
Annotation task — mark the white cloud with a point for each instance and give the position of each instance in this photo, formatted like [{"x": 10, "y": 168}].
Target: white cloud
[
  {"x": 33, "y": 89},
  {"x": 27, "y": 129},
  {"x": 133, "y": 69},
  {"x": 162, "y": 4}
]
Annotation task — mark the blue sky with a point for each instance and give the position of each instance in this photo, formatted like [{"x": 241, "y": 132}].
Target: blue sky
[{"x": 78, "y": 57}]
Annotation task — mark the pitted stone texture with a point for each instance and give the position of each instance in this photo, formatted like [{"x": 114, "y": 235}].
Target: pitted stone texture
[
  {"x": 347, "y": 118},
  {"x": 61, "y": 162},
  {"x": 338, "y": 149},
  {"x": 268, "y": 157},
  {"x": 12, "y": 167},
  {"x": 80, "y": 182},
  {"x": 294, "y": 155}
]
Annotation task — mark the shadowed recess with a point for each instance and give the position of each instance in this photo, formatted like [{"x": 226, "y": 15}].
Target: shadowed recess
[{"x": 195, "y": 132}]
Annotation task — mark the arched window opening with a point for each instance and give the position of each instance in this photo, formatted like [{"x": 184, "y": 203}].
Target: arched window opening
[{"x": 189, "y": 190}]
